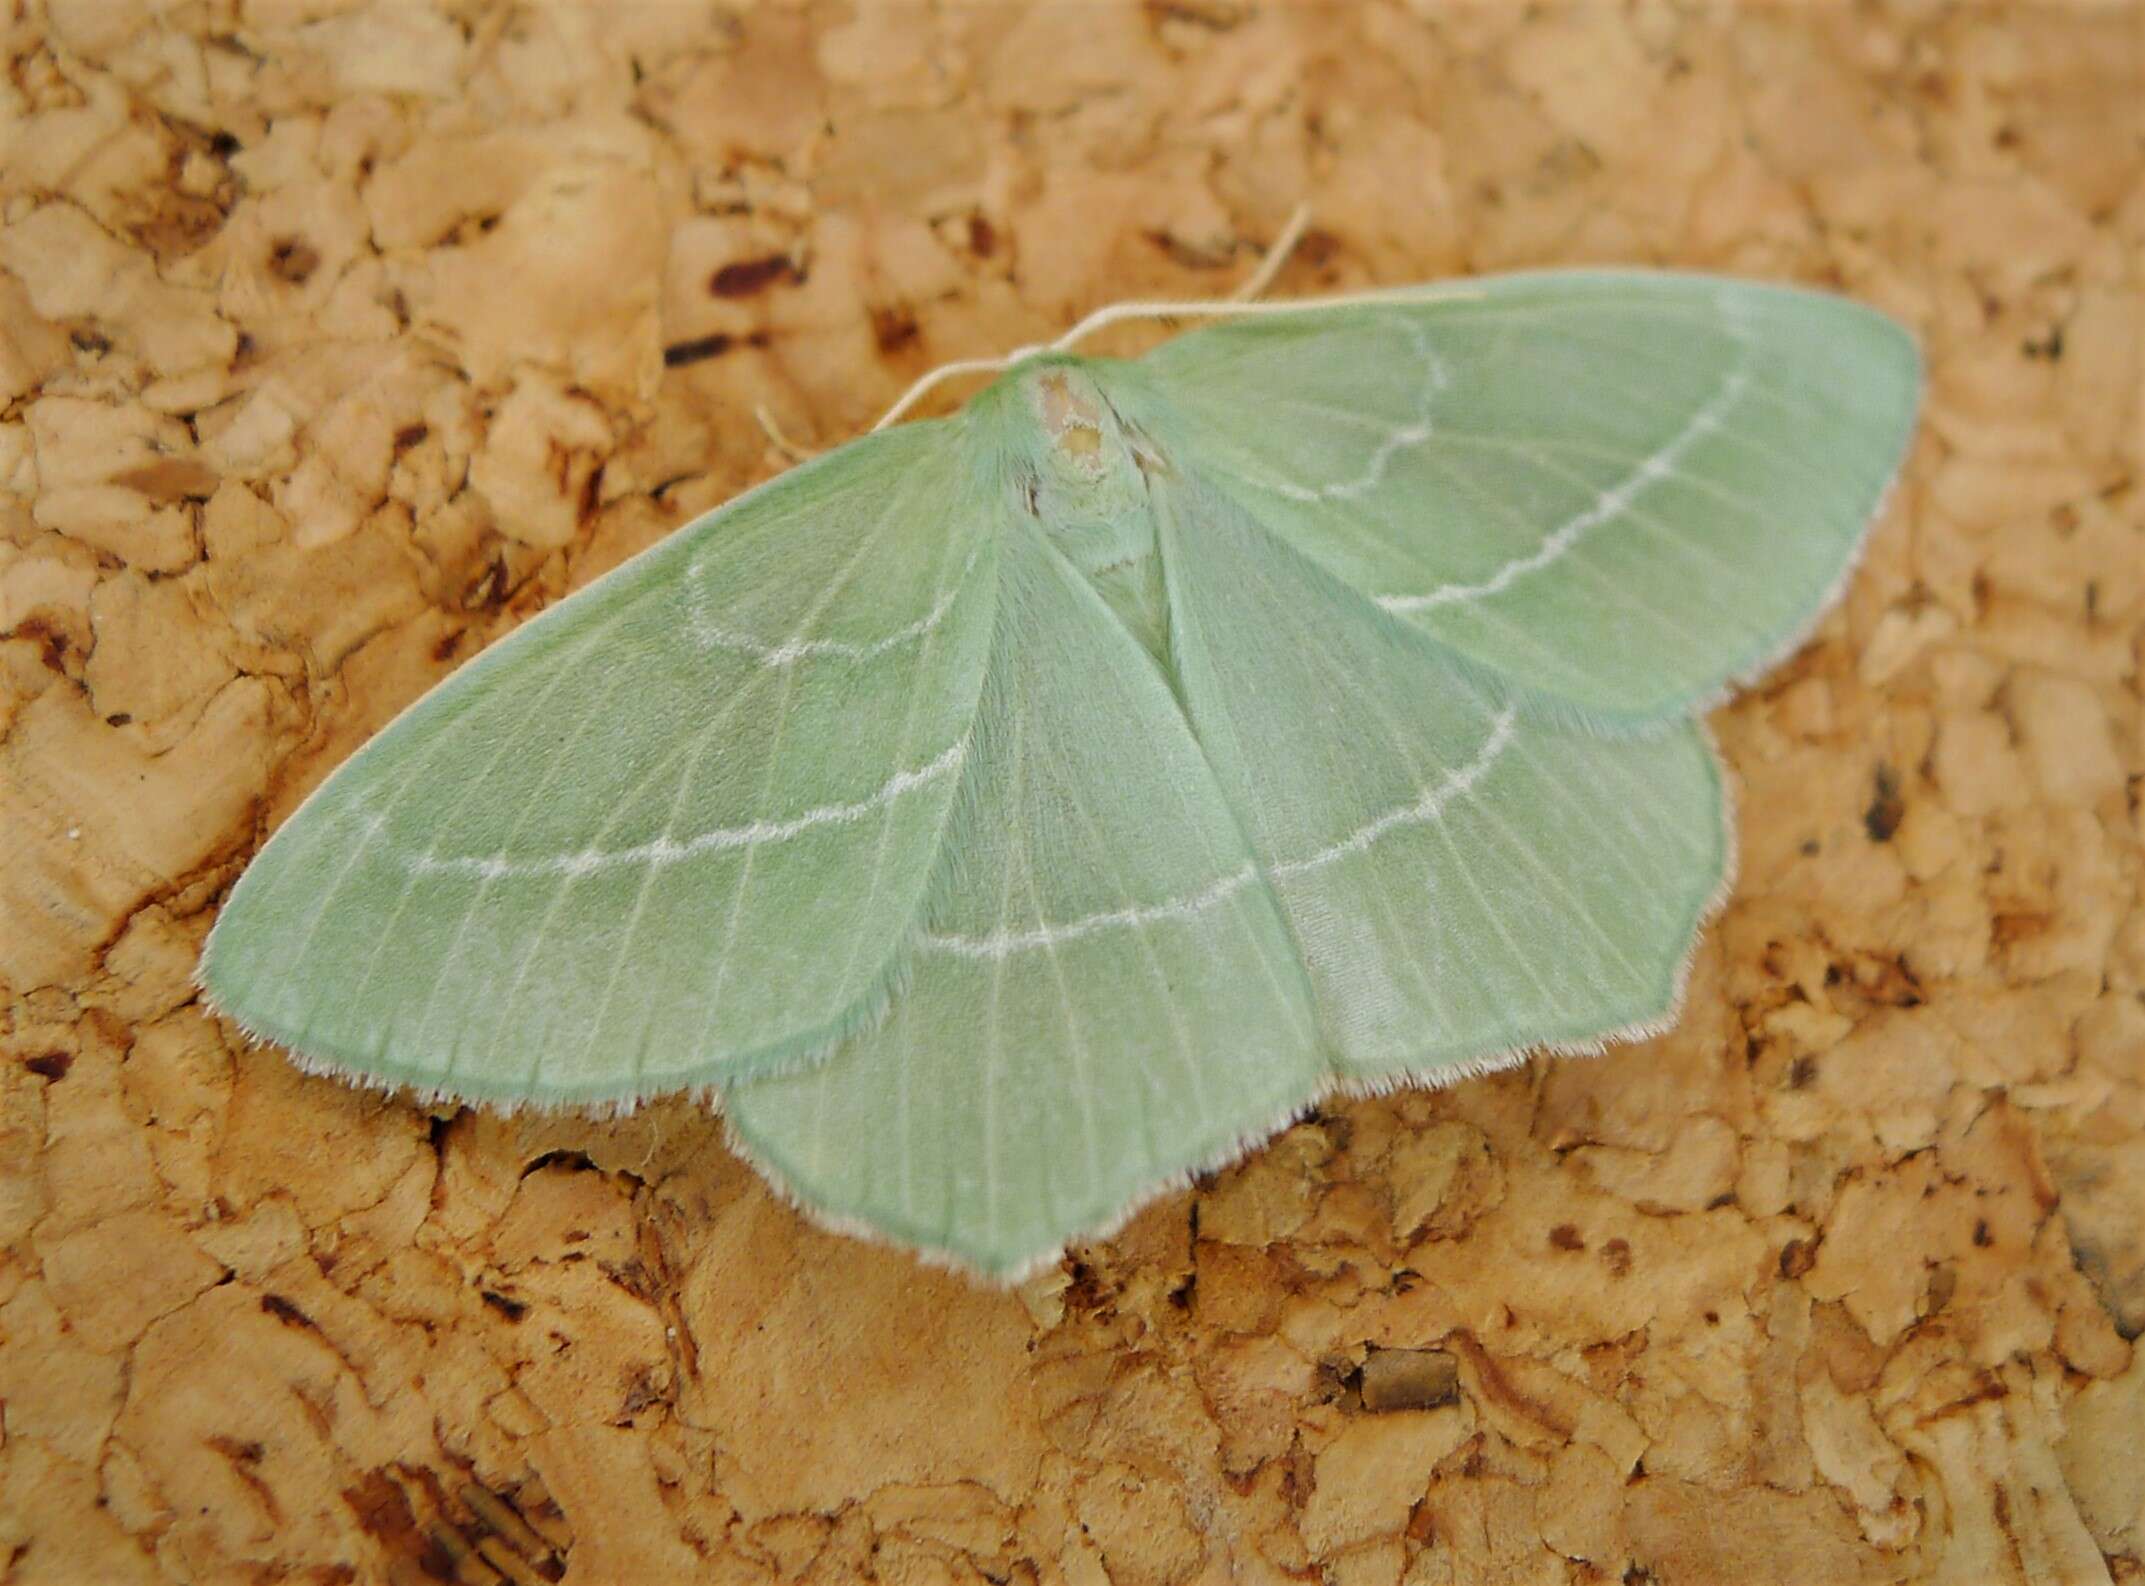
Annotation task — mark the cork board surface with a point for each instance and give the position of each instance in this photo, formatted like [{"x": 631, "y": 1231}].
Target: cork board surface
[{"x": 336, "y": 338}]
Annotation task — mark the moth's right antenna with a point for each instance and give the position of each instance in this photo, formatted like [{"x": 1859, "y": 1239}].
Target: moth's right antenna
[
  {"x": 1257, "y": 282},
  {"x": 1255, "y": 285}
]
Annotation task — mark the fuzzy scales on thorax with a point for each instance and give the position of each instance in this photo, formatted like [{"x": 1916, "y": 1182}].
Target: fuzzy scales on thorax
[{"x": 1081, "y": 470}]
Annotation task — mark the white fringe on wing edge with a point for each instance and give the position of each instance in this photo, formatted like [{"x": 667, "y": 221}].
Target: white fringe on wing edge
[
  {"x": 1251, "y": 1139},
  {"x": 1228, "y": 1155}
]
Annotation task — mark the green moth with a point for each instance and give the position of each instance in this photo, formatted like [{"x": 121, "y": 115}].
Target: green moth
[{"x": 1011, "y": 813}]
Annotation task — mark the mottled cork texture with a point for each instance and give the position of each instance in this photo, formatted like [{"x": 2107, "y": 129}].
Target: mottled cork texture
[{"x": 335, "y": 339}]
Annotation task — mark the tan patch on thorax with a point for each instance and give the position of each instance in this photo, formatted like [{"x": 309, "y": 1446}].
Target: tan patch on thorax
[{"x": 1072, "y": 418}]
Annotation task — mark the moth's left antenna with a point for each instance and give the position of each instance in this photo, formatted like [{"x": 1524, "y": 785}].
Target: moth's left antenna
[{"x": 1258, "y": 281}]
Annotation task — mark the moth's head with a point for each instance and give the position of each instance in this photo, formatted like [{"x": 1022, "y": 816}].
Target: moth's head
[
  {"x": 1083, "y": 434},
  {"x": 1074, "y": 447}
]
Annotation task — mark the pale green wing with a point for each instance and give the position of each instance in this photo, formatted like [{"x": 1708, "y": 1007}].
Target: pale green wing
[
  {"x": 668, "y": 832},
  {"x": 1622, "y": 489},
  {"x": 1105, "y": 997},
  {"x": 1463, "y": 876}
]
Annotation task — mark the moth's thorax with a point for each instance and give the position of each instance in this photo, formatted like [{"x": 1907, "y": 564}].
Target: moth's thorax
[{"x": 1085, "y": 476}]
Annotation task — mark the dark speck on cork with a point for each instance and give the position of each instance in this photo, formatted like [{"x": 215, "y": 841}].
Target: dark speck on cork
[{"x": 748, "y": 276}]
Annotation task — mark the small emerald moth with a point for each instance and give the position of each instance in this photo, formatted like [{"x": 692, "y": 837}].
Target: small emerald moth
[{"x": 1011, "y": 813}]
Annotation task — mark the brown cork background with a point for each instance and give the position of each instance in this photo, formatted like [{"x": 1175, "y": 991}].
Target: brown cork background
[{"x": 336, "y": 338}]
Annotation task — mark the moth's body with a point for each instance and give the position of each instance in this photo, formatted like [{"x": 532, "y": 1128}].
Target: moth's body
[
  {"x": 1013, "y": 812},
  {"x": 1081, "y": 473}
]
